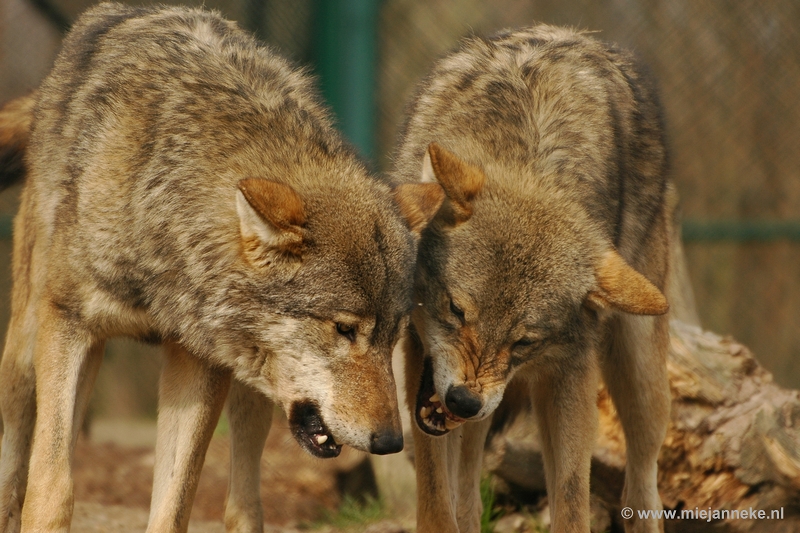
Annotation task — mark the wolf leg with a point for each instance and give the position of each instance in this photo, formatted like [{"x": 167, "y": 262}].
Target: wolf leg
[
  {"x": 18, "y": 408},
  {"x": 436, "y": 496},
  {"x": 66, "y": 360},
  {"x": 448, "y": 468},
  {"x": 635, "y": 372},
  {"x": 448, "y": 478},
  {"x": 17, "y": 376},
  {"x": 469, "y": 440},
  {"x": 566, "y": 412},
  {"x": 436, "y": 483},
  {"x": 250, "y": 417},
  {"x": 191, "y": 396}
]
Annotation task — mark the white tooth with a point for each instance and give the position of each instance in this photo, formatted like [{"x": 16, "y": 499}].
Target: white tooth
[
  {"x": 451, "y": 424},
  {"x": 439, "y": 410},
  {"x": 435, "y": 398},
  {"x": 321, "y": 439},
  {"x": 424, "y": 412}
]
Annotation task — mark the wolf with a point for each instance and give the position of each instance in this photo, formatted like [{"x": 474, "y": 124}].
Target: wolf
[
  {"x": 545, "y": 267},
  {"x": 185, "y": 186}
]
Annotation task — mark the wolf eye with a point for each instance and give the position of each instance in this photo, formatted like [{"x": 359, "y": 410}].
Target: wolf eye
[
  {"x": 346, "y": 331},
  {"x": 524, "y": 343},
  {"x": 457, "y": 311}
]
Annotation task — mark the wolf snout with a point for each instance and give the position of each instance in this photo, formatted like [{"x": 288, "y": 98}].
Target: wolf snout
[
  {"x": 462, "y": 402},
  {"x": 386, "y": 442}
]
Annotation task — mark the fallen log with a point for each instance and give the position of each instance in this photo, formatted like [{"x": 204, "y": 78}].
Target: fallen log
[{"x": 733, "y": 444}]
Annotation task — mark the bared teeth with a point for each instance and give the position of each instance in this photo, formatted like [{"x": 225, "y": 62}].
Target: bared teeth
[
  {"x": 435, "y": 398},
  {"x": 439, "y": 410},
  {"x": 451, "y": 424},
  {"x": 424, "y": 412},
  {"x": 322, "y": 439}
]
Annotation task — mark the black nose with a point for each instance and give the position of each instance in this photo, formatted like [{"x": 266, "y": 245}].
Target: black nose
[
  {"x": 386, "y": 442},
  {"x": 463, "y": 402}
]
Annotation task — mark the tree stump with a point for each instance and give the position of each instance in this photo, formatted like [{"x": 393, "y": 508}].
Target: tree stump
[{"x": 733, "y": 444}]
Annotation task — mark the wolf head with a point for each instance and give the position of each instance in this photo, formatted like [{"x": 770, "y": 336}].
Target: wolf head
[
  {"x": 334, "y": 270},
  {"x": 507, "y": 280}
]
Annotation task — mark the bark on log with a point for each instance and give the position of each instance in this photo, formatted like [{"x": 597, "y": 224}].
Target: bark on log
[{"x": 733, "y": 442}]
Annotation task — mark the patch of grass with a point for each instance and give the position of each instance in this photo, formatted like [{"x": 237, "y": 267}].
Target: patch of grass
[
  {"x": 354, "y": 513},
  {"x": 538, "y": 527},
  {"x": 222, "y": 428},
  {"x": 491, "y": 513}
]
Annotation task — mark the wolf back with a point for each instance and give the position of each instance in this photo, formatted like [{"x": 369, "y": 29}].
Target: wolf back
[{"x": 485, "y": 97}]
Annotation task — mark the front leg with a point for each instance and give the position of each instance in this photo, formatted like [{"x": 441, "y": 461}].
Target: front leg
[
  {"x": 18, "y": 411},
  {"x": 448, "y": 478},
  {"x": 191, "y": 396},
  {"x": 436, "y": 499},
  {"x": 472, "y": 442},
  {"x": 565, "y": 404},
  {"x": 250, "y": 417},
  {"x": 66, "y": 360},
  {"x": 436, "y": 490},
  {"x": 448, "y": 468}
]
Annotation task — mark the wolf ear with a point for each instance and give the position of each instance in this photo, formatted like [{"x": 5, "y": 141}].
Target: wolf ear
[
  {"x": 621, "y": 287},
  {"x": 271, "y": 219},
  {"x": 461, "y": 181},
  {"x": 418, "y": 203}
]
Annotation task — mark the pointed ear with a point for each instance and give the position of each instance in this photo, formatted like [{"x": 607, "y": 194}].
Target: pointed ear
[
  {"x": 621, "y": 287},
  {"x": 418, "y": 203},
  {"x": 461, "y": 181},
  {"x": 271, "y": 219}
]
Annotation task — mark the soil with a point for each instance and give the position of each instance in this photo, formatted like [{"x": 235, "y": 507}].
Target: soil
[{"x": 113, "y": 482}]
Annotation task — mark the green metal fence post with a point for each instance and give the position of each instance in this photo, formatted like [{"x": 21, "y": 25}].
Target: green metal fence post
[{"x": 346, "y": 57}]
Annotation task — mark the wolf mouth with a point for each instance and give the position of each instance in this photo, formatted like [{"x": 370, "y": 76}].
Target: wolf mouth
[
  {"x": 430, "y": 413},
  {"x": 310, "y": 431}
]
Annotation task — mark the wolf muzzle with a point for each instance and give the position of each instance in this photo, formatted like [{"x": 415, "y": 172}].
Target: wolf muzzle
[
  {"x": 386, "y": 442},
  {"x": 462, "y": 402}
]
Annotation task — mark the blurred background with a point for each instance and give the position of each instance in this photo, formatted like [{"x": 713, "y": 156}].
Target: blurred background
[{"x": 729, "y": 74}]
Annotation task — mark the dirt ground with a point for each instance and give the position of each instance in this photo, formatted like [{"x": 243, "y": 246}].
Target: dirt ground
[{"x": 113, "y": 475}]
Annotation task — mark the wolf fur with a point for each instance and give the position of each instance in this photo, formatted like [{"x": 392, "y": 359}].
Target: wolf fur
[
  {"x": 544, "y": 269},
  {"x": 184, "y": 186}
]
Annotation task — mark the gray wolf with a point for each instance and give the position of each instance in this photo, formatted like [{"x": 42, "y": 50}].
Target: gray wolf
[
  {"x": 544, "y": 269},
  {"x": 185, "y": 186}
]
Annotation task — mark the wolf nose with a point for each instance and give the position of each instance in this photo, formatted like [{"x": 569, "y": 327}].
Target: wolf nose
[
  {"x": 386, "y": 442},
  {"x": 462, "y": 402}
]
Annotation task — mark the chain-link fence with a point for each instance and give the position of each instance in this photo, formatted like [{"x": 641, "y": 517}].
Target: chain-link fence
[{"x": 730, "y": 79}]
